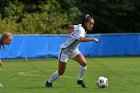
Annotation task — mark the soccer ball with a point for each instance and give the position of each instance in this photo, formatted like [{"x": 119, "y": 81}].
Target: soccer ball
[{"x": 102, "y": 82}]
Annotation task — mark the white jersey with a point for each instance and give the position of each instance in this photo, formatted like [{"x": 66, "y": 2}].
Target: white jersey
[{"x": 73, "y": 41}]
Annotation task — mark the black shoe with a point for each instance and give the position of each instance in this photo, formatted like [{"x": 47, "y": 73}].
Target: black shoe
[
  {"x": 81, "y": 82},
  {"x": 48, "y": 84}
]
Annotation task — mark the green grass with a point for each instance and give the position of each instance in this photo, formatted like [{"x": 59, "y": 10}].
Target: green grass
[{"x": 30, "y": 76}]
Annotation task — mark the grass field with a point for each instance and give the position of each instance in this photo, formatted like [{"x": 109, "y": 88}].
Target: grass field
[{"x": 30, "y": 76}]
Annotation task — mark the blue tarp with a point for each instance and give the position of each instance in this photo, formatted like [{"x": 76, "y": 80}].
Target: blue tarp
[{"x": 35, "y": 46}]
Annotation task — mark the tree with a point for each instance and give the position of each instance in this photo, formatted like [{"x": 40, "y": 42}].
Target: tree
[
  {"x": 37, "y": 16},
  {"x": 45, "y": 16},
  {"x": 112, "y": 15}
]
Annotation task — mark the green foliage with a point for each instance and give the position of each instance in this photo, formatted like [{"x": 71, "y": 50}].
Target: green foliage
[
  {"x": 39, "y": 23},
  {"x": 42, "y": 17},
  {"x": 6, "y": 25},
  {"x": 51, "y": 16},
  {"x": 113, "y": 15}
]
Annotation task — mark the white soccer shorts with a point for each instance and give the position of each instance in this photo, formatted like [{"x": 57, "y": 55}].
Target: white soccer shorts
[{"x": 64, "y": 55}]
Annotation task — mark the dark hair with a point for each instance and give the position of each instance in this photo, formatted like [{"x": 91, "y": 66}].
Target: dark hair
[
  {"x": 1, "y": 43},
  {"x": 85, "y": 19}
]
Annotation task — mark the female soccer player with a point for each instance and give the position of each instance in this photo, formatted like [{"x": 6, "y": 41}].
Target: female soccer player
[
  {"x": 5, "y": 39},
  {"x": 69, "y": 49}
]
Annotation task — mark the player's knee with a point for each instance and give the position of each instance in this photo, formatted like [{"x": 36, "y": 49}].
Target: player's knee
[
  {"x": 84, "y": 64},
  {"x": 61, "y": 72}
]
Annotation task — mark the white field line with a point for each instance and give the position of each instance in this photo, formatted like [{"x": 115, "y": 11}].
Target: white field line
[{"x": 28, "y": 73}]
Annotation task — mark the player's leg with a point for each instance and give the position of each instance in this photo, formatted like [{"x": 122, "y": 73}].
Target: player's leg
[
  {"x": 0, "y": 70},
  {"x": 56, "y": 74},
  {"x": 82, "y": 61},
  {"x": 61, "y": 68},
  {"x": 0, "y": 64}
]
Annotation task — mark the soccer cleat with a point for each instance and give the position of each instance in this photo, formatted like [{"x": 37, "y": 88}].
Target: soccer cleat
[
  {"x": 48, "y": 84},
  {"x": 81, "y": 82}
]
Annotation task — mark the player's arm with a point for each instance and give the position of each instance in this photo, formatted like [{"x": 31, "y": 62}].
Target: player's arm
[
  {"x": 82, "y": 37},
  {"x": 85, "y": 39}
]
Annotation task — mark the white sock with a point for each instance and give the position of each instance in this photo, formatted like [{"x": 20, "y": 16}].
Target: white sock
[
  {"x": 82, "y": 72},
  {"x": 54, "y": 76}
]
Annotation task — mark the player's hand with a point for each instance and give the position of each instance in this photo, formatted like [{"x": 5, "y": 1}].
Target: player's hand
[{"x": 96, "y": 40}]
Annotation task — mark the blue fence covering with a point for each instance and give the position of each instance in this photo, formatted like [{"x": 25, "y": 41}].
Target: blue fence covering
[{"x": 35, "y": 46}]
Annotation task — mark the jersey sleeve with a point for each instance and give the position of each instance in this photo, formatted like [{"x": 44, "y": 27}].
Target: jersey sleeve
[{"x": 81, "y": 32}]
